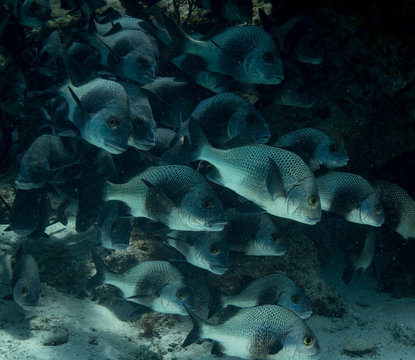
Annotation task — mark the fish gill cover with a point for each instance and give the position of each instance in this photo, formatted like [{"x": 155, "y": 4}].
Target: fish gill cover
[{"x": 204, "y": 161}]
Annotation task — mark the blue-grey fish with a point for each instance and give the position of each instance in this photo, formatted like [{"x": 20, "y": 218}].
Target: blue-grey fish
[
  {"x": 273, "y": 289},
  {"x": 226, "y": 116},
  {"x": 50, "y": 57},
  {"x": 195, "y": 67},
  {"x": 164, "y": 139},
  {"x": 275, "y": 179},
  {"x": 299, "y": 38},
  {"x": 315, "y": 147},
  {"x": 141, "y": 115},
  {"x": 155, "y": 284},
  {"x": 29, "y": 213},
  {"x": 169, "y": 108},
  {"x": 99, "y": 109},
  {"x": 399, "y": 208},
  {"x": 362, "y": 256},
  {"x": 12, "y": 89},
  {"x": 26, "y": 282},
  {"x": 235, "y": 11},
  {"x": 32, "y": 13},
  {"x": 131, "y": 52},
  {"x": 174, "y": 195},
  {"x": 260, "y": 332},
  {"x": 246, "y": 53},
  {"x": 208, "y": 249},
  {"x": 254, "y": 234},
  {"x": 115, "y": 228},
  {"x": 350, "y": 196},
  {"x": 42, "y": 160}
]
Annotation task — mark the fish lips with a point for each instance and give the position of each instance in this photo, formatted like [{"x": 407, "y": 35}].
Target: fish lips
[
  {"x": 216, "y": 225},
  {"x": 218, "y": 269},
  {"x": 113, "y": 147},
  {"x": 27, "y": 185}
]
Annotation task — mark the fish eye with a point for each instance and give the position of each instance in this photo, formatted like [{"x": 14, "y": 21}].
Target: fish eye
[
  {"x": 213, "y": 249},
  {"x": 295, "y": 299},
  {"x": 36, "y": 167},
  {"x": 267, "y": 57},
  {"x": 113, "y": 123},
  {"x": 34, "y": 5},
  {"x": 138, "y": 120},
  {"x": 378, "y": 209},
  {"x": 250, "y": 119},
  {"x": 25, "y": 291},
  {"x": 114, "y": 227},
  {"x": 313, "y": 201},
  {"x": 207, "y": 203},
  {"x": 274, "y": 237},
  {"x": 308, "y": 340},
  {"x": 181, "y": 294},
  {"x": 333, "y": 148},
  {"x": 143, "y": 62}
]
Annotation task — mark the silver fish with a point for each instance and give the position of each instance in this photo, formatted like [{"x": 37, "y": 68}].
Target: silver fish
[
  {"x": 315, "y": 147},
  {"x": 174, "y": 195},
  {"x": 99, "y": 109},
  {"x": 41, "y": 161},
  {"x": 132, "y": 53},
  {"x": 26, "y": 282},
  {"x": 115, "y": 229},
  {"x": 254, "y": 234},
  {"x": 261, "y": 332},
  {"x": 399, "y": 208},
  {"x": 141, "y": 115},
  {"x": 155, "y": 284},
  {"x": 273, "y": 289},
  {"x": 208, "y": 250},
  {"x": 275, "y": 179},
  {"x": 246, "y": 53},
  {"x": 350, "y": 196},
  {"x": 226, "y": 116}
]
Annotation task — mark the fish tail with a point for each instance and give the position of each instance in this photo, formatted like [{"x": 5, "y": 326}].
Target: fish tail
[
  {"x": 99, "y": 278},
  {"x": 179, "y": 41},
  {"x": 195, "y": 333},
  {"x": 216, "y": 302},
  {"x": 191, "y": 146}
]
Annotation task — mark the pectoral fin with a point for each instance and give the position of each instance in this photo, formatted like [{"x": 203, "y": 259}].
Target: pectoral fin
[{"x": 274, "y": 182}]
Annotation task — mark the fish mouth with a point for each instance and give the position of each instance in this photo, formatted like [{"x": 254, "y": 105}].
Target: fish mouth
[
  {"x": 27, "y": 185},
  {"x": 146, "y": 79},
  {"x": 275, "y": 79},
  {"x": 216, "y": 225},
  {"x": 306, "y": 315},
  {"x": 311, "y": 220},
  {"x": 144, "y": 144},
  {"x": 218, "y": 269},
  {"x": 263, "y": 138},
  {"x": 114, "y": 148}
]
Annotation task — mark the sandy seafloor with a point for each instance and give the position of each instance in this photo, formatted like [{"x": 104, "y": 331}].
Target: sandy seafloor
[{"x": 89, "y": 330}]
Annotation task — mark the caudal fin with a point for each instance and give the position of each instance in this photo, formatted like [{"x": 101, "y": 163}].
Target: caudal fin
[
  {"x": 189, "y": 147},
  {"x": 99, "y": 278},
  {"x": 195, "y": 333}
]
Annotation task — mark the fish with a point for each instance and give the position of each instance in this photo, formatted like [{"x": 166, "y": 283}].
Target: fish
[
  {"x": 273, "y": 289},
  {"x": 99, "y": 109},
  {"x": 351, "y": 197},
  {"x": 207, "y": 250},
  {"x": 399, "y": 208},
  {"x": 43, "y": 160},
  {"x": 157, "y": 285},
  {"x": 168, "y": 108},
  {"x": 195, "y": 67},
  {"x": 299, "y": 37},
  {"x": 12, "y": 90},
  {"x": 130, "y": 51},
  {"x": 32, "y": 13},
  {"x": 174, "y": 195},
  {"x": 26, "y": 282},
  {"x": 362, "y": 258},
  {"x": 29, "y": 215},
  {"x": 226, "y": 116},
  {"x": 259, "y": 332},
  {"x": 81, "y": 63},
  {"x": 245, "y": 53},
  {"x": 235, "y": 11},
  {"x": 276, "y": 180},
  {"x": 315, "y": 147},
  {"x": 50, "y": 57},
  {"x": 254, "y": 234},
  {"x": 115, "y": 229},
  {"x": 164, "y": 139},
  {"x": 141, "y": 115}
]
